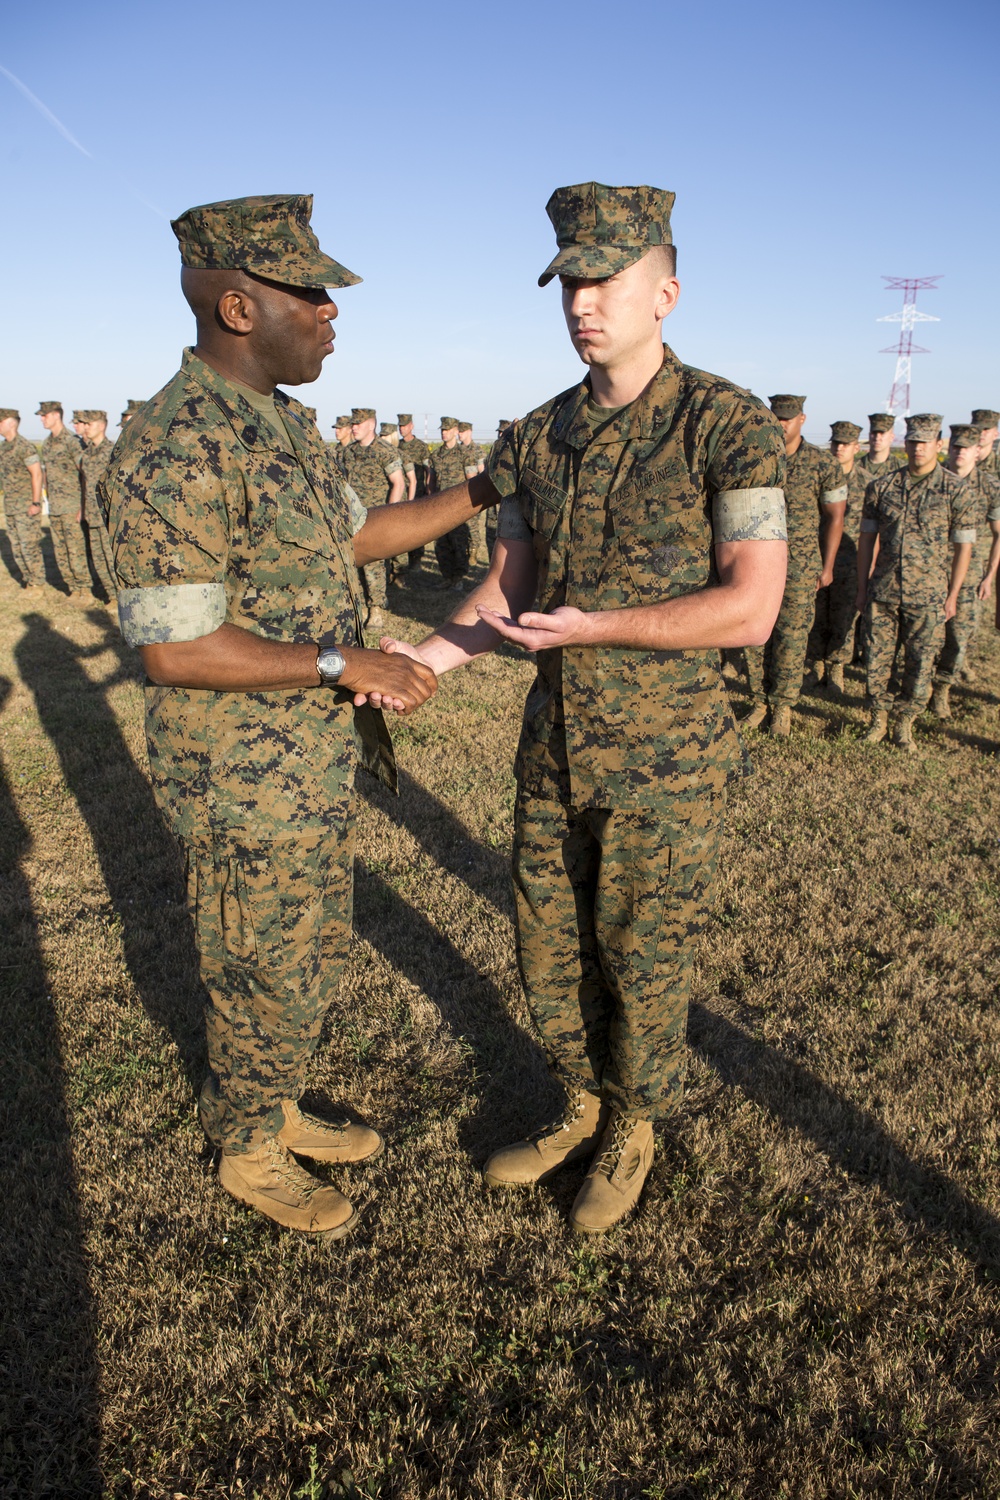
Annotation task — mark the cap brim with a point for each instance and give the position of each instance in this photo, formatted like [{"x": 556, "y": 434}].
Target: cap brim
[
  {"x": 591, "y": 262},
  {"x": 304, "y": 271}
]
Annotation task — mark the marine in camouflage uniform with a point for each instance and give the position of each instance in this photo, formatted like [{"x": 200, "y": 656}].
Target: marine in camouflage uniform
[
  {"x": 450, "y": 464},
  {"x": 924, "y": 519},
  {"x": 235, "y": 542},
  {"x": 626, "y": 750},
  {"x": 61, "y": 453},
  {"x": 480, "y": 553},
  {"x": 988, "y": 423},
  {"x": 831, "y": 639},
  {"x": 21, "y": 483},
  {"x": 815, "y": 499},
  {"x": 368, "y": 468},
  {"x": 342, "y": 441},
  {"x": 415, "y": 451},
  {"x": 93, "y": 466},
  {"x": 132, "y": 406},
  {"x": 961, "y": 628}
]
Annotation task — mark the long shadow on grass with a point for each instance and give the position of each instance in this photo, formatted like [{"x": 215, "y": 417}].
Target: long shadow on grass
[
  {"x": 139, "y": 861},
  {"x": 850, "y": 1137},
  {"x": 48, "y": 1372}
]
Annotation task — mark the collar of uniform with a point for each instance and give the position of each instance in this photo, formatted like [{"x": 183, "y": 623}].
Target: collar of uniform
[
  {"x": 643, "y": 418},
  {"x": 245, "y": 422}
]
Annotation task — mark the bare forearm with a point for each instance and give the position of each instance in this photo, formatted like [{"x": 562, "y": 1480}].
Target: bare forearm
[
  {"x": 866, "y": 554},
  {"x": 465, "y": 636},
  {"x": 713, "y": 617},
  {"x": 833, "y": 530},
  {"x": 390, "y": 530},
  {"x": 231, "y": 659},
  {"x": 959, "y": 567}
]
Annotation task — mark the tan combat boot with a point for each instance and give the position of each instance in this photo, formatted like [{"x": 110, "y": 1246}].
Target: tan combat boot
[
  {"x": 878, "y": 727},
  {"x": 835, "y": 680},
  {"x": 903, "y": 734},
  {"x": 273, "y": 1182},
  {"x": 573, "y": 1135},
  {"x": 376, "y": 617},
  {"x": 612, "y": 1186},
  {"x": 327, "y": 1140},
  {"x": 755, "y": 717},
  {"x": 781, "y": 721},
  {"x": 939, "y": 702},
  {"x": 814, "y": 676}
]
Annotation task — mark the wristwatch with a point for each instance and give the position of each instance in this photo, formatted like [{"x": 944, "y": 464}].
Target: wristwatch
[{"x": 330, "y": 664}]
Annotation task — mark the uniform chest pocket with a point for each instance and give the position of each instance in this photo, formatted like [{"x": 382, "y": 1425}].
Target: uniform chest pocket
[
  {"x": 296, "y": 526},
  {"x": 666, "y": 547},
  {"x": 542, "y": 504}
]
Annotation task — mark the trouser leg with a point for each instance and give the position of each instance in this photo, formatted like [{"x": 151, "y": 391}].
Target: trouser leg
[
  {"x": 958, "y": 634},
  {"x": 922, "y": 639},
  {"x": 788, "y": 645},
  {"x": 883, "y": 629},
  {"x": 26, "y": 540},
  {"x": 754, "y": 658},
  {"x": 67, "y": 543},
  {"x": 103, "y": 557},
  {"x": 609, "y": 905},
  {"x": 477, "y": 537},
  {"x": 819, "y": 632},
  {"x": 843, "y": 613},
  {"x": 273, "y": 930},
  {"x": 373, "y": 584},
  {"x": 452, "y": 553}
]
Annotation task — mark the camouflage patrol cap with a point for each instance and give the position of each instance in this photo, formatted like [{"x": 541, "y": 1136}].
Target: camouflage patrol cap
[
  {"x": 465, "y": 426},
  {"x": 362, "y": 414},
  {"x": 9, "y": 411},
  {"x": 90, "y": 414},
  {"x": 844, "y": 432},
  {"x": 342, "y": 422},
  {"x": 964, "y": 435},
  {"x": 784, "y": 407},
  {"x": 925, "y": 427},
  {"x": 78, "y": 416},
  {"x": 600, "y": 230},
  {"x": 447, "y": 422},
  {"x": 404, "y": 418},
  {"x": 268, "y": 237},
  {"x": 983, "y": 418},
  {"x": 881, "y": 421},
  {"x": 132, "y": 405},
  {"x": 387, "y": 428},
  {"x": 44, "y": 407},
  {"x": 503, "y": 423}
]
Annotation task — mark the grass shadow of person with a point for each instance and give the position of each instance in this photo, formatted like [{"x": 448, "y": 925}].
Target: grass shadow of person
[
  {"x": 139, "y": 860},
  {"x": 8, "y": 559},
  {"x": 49, "y": 1427}
]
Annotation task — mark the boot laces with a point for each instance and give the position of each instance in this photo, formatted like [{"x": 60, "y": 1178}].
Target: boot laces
[
  {"x": 288, "y": 1170},
  {"x": 570, "y": 1116},
  {"x": 610, "y": 1158}
]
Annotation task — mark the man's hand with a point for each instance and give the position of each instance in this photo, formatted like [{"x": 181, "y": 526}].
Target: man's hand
[
  {"x": 397, "y": 683},
  {"x": 824, "y": 579},
  {"x": 565, "y": 626},
  {"x": 985, "y": 587},
  {"x": 950, "y": 606},
  {"x": 33, "y": 510},
  {"x": 392, "y": 647}
]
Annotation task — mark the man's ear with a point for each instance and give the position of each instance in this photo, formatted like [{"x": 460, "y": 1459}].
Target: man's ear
[{"x": 234, "y": 310}]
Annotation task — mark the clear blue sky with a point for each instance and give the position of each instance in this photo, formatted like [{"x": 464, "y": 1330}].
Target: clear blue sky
[{"x": 813, "y": 148}]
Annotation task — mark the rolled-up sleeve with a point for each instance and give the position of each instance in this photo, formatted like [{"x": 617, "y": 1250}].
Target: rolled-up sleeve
[{"x": 754, "y": 515}]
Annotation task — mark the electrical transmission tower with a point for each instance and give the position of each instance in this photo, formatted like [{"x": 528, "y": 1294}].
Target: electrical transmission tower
[{"x": 899, "y": 397}]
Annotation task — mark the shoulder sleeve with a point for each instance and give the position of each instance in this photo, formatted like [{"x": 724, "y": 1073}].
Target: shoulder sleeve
[
  {"x": 503, "y": 464},
  {"x": 964, "y": 514},
  {"x": 745, "y": 471},
  {"x": 833, "y": 485},
  {"x": 31, "y": 457}
]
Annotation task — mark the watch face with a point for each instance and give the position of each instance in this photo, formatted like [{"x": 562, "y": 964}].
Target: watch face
[{"x": 330, "y": 663}]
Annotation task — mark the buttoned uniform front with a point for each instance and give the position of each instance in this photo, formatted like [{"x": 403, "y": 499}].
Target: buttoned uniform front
[
  {"x": 813, "y": 481},
  {"x": 61, "y": 455},
  {"x": 450, "y": 466},
  {"x": 960, "y": 630},
  {"x": 625, "y": 755},
  {"x": 17, "y": 458},
  {"x": 831, "y": 639},
  {"x": 93, "y": 463},
  {"x": 917, "y": 520},
  {"x": 369, "y": 471},
  {"x": 217, "y": 515}
]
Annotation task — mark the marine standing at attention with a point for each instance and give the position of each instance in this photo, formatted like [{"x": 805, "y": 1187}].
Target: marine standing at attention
[
  {"x": 237, "y": 544},
  {"x": 831, "y": 639},
  {"x": 960, "y": 630},
  {"x": 21, "y": 483},
  {"x": 815, "y": 501},
  {"x": 451, "y": 465},
  {"x": 418, "y": 454},
  {"x": 62, "y": 452},
  {"x": 924, "y": 521},
  {"x": 642, "y": 529},
  {"x": 93, "y": 465},
  {"x": 375, "y": 475}
]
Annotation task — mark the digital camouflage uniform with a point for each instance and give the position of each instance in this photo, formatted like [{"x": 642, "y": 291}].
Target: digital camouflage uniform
[
  {"x": 17, "y": 458},
  {"x": 416, "y": 452},
  {"x": 813, "y": 481},
  {"x": 217, "y": 516},
  {"x": 984, "y": 418},
  {"x": 368, "y": 471},
  {"x": 984, "y": 492},
  {"x": 93, "y": 466},
  {"x": 625, "y": 755},
  {"x": 917, "y": 522},
  {"x": 479, "y": 551},
  {"x": 61, "y": 455},
  {"x": 450, "y": 466}
]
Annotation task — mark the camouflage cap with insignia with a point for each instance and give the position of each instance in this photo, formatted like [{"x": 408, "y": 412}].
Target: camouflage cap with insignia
[
  {"x": 447, "y": 422},
  {"x": 881, "y": 421},
  {"x": 785, "y": 407},
  {"x": 387, "y": 428},
  {"x": 924, "y": 427},
  {"x": 9, "y": 411},
  {"x": 404, "y": 418},
  {"x": 268, "y": 236},
  {"x": 964, "y": 435},
  {"x": 981, "y": 417},
  {"x": 44, "y": 407},
  {"x": 844, "y": 432},
  {"x": 342, "y": 422},
  {"x": 465, "y": 426},
  {"x": 600, "y": 230},
  {"x": 362, "y": 414}
]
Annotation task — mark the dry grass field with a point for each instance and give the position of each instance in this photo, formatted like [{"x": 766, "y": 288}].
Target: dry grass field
[{"x": 807, "y": 1304}]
